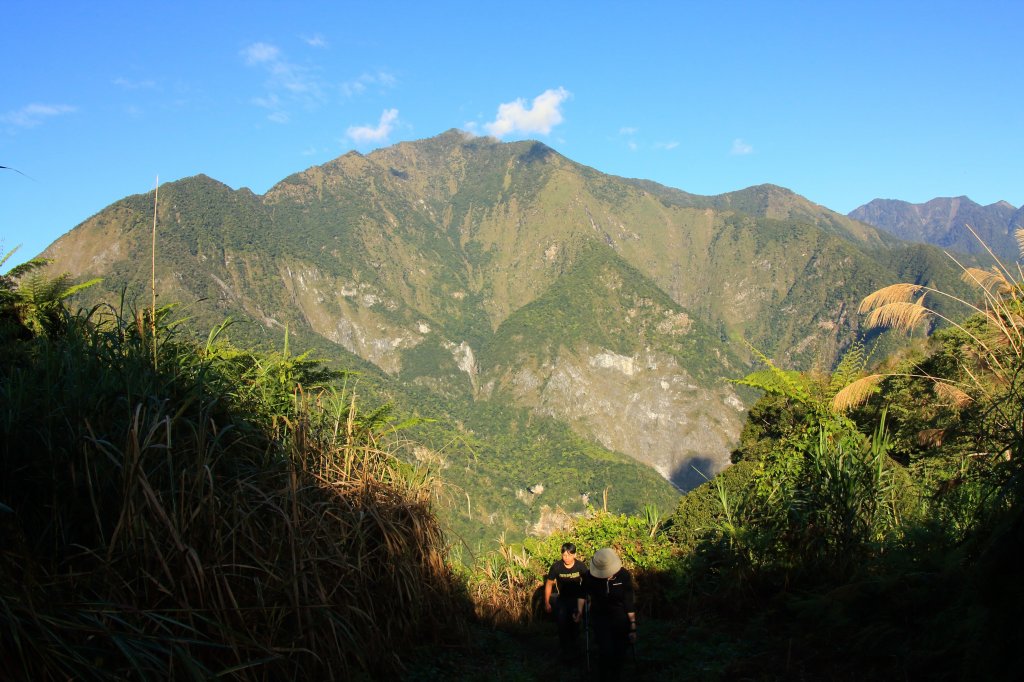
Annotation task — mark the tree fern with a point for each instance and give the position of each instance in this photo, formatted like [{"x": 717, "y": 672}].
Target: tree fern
[
  {"x": 778, "y": 381},
  {"x": 850, "y": 368},
  {"x": 36, "y": 300}
]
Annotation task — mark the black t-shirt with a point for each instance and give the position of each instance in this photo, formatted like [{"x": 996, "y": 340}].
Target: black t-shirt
[
  {"x": 610, "y": 598},
  {"x": 569, "y": 580}
]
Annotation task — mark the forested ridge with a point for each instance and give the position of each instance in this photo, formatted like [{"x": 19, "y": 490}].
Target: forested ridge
[
  {"x": 504, "y": 283},
  {"x": 177, "y": 506}
]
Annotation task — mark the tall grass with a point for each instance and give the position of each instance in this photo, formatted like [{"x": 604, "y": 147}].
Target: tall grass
[
  {"x": 506, "y": 583},
  {"x": 221, "y": 513},
  {"x": 993, "y": 334},
  {"x": 985, "y": 383},
  {"x": 900, "y": 565}
]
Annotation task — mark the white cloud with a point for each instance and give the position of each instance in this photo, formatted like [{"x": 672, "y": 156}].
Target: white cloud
[
  {"x": 515, "y": 117},
  {"x": 353, "y": 88},
  {"x": 358, "y": 86},
  {"x": 293, "y": 78},
  {"x": 666, "y": 145},
  {"x": 134, "y": 85},
  {"x": 259, "y": 53},
  {"x": 628, "y": 130},
  {"x": 287, "y": 84},
  {"x": 271, "y": 101},
  {"x": 741, "y": 148},
  {"x": 369, "y": 134},
  {"x": 32, "y": 115}
]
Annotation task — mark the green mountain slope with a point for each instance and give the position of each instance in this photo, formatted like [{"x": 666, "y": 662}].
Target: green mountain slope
[{"x": 502, "y": 281}]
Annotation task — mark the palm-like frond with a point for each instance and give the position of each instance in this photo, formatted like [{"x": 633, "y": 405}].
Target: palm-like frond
[
  {"x": 37, "y": 298},
  {"x": 22, "y": 269},
  {"x": 75, "y": 288},
  {"x": 37, "y": 290},
  {"x": 778, "y": 381}
]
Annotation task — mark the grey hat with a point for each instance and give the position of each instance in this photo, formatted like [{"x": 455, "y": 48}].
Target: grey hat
[{"x": 605, "y": 563}]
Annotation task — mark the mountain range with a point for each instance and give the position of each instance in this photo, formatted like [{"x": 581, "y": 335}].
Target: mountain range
[
  {"x": 944, "y": 222},
  {"x": 567, "y": 322}
]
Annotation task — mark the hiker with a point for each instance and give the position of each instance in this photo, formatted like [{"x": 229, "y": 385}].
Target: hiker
[
  {"x": 609, "y": 588},
  {"x": 567, "y": 574}
]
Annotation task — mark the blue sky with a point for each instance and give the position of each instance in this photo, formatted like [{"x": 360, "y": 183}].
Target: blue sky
[{"x": 840, "y": 102}]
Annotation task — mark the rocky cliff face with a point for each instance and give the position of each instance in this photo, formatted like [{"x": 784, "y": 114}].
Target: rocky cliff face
[
  {"x": 486, "y": 271},
  {"x": 644, "y": 405}
]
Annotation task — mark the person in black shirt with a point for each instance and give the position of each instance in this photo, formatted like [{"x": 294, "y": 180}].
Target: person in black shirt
[
  {"x": 609, "y": 588},
  {"x": 567, "y": 574}
]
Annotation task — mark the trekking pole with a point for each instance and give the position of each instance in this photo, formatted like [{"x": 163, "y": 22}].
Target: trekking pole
[
  {"x": 632, "y": 646},
  {"x": 586, "y": 629}
]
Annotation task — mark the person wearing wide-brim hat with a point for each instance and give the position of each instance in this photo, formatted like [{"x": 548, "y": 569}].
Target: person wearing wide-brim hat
[{"x": 609, "y": 588}]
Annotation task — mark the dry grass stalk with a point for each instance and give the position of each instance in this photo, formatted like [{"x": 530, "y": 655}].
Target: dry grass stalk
[
  {"x": 503, "y": 586},
  {"x": 951, "y": 394},
  {"x": 902, "y": 315},
  {"x": 996, "y": 345},
  {"x": 856, "y": 393},
  {"x": 992, "y": 280},
  {"x": 894, "y": 293},
  {"x": 152, "y": 312},
  {"x": 931, "y": 438}
]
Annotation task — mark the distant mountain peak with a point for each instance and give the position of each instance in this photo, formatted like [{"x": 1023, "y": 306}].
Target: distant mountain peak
[
  {"x": 477, "y": 270},
  {"x": 942, "y": 221}
]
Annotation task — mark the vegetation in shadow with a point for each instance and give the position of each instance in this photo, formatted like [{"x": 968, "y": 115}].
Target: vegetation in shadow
[
  {"x": 173, "y": 509},
  {"x": 177, "y": 509}
]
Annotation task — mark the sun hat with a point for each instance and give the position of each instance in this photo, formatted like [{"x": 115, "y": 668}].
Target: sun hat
[{"x": 605, "y": 563}]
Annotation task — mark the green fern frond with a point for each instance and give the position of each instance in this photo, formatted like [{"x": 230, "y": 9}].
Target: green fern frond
[
  {"x": 74, "y": 289},
  {"x": 22, "y": 269},
  {"x": 782, "y": 382},
  {"x": 5, "y": 257},
  {"x": 851, "y": 367}
]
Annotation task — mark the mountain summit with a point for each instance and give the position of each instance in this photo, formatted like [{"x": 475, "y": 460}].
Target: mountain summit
[{"x": 489, "y": 273}]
